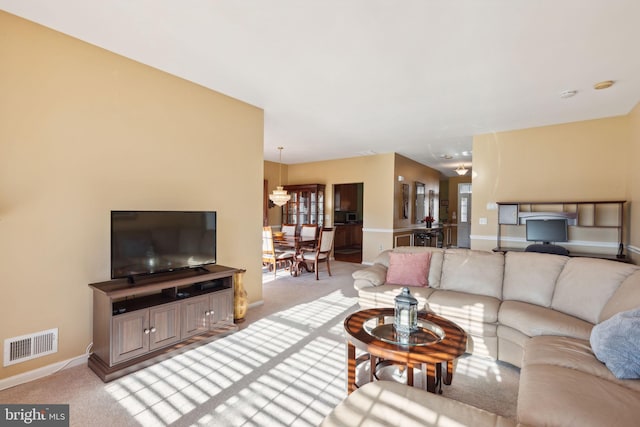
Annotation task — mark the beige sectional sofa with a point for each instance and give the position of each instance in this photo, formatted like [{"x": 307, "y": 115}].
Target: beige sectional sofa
[{"x": 535, "y": 311}]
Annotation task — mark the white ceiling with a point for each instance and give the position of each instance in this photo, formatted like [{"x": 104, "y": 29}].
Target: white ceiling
[{"x": 343, "y": 78}]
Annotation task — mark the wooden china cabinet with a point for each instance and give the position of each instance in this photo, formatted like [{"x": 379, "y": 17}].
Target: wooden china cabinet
[{"x": 306, "y": 205}]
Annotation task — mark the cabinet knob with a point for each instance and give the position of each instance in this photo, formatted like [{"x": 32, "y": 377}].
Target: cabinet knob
[
  {"x": 147, "y": 331},
  {"x": 153, "y": 329},
  {"x": 207, "y": 313}
]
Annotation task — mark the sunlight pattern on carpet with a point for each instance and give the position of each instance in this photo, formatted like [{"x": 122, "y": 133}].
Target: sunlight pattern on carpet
[
  {"x": 478, "y": 368},
  {"x": 286, "y": 369}
]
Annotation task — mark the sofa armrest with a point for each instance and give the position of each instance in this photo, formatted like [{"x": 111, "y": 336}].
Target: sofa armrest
[{"x": 374, "y": 275}]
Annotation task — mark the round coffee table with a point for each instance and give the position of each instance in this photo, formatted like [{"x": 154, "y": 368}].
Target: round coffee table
[{"x": 436, "y": 344}]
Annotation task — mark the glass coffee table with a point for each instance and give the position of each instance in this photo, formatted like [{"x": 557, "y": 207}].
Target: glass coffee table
[{"x": 433, "y": 348}]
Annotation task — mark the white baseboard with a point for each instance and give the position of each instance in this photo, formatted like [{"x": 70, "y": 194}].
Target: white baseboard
[
  {"x": 42, "y": 372},
  {"x": 256, "y": 304}
]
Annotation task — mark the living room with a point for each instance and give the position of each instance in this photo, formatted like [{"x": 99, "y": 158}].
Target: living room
[{"x": 86, "y": 131}]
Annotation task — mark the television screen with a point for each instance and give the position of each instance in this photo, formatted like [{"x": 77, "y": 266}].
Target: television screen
[
  {"x": 547, "y": 230},
  {"x": 146, "y": 242}
]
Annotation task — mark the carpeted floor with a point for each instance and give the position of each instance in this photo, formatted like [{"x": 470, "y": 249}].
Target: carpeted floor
[{"x": 284, "y": 367}]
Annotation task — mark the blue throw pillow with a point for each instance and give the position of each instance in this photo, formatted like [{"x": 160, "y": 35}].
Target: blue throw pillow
[{"x": 616, "y": 343}]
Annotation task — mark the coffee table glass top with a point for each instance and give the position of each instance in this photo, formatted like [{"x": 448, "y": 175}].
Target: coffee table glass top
[{"x": 381, "y": 327}]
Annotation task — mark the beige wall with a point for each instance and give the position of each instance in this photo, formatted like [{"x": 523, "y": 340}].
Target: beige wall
[
  {"x": 634, "y": 183},
  {"x": 582, "y": 161},
  {"x": 84, "y": 131},
  {"x": 378, "y": 174}
]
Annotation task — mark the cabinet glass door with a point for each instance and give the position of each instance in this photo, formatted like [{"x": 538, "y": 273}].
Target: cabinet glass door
[{"x": 306, "y": 205}]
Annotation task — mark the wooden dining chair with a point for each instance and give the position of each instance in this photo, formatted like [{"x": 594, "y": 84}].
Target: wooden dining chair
[
  {"x": 289, "y": 230},
  {"x": 272, "y": 257},
  {"x": 321, "y": 253},
  {"x": 309, "y": 232}
]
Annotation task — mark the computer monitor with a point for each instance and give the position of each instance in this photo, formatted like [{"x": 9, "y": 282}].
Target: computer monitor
[{"x": 547, "y": 230}]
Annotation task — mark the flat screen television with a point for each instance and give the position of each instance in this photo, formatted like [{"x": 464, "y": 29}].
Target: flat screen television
[
  {"x": 147, "y": 242},
  {"x": 547, "y": 230}
]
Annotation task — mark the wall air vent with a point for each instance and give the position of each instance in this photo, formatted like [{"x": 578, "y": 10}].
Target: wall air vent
[{"x": 27, "y": 347}]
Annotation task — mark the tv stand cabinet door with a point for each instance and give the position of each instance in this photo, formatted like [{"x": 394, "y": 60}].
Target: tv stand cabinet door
[
  {"x": 194, "y": 316},
  {"x": 164, "y": 325},
  {"x": 222, "y": 306},
  {"x": 129, "y": 335}
]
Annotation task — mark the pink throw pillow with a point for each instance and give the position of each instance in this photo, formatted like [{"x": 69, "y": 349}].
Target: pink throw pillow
[{"x": 410, "y": 269}]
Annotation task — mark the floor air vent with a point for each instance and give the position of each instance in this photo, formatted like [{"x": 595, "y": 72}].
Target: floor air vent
[{"x": 27, "y": 347}]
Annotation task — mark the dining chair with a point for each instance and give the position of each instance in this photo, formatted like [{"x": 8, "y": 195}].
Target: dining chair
[
  {"x": 321, "y": 253},
  {"x": 309, "y": 232},
  {"x": 289, "y": 230},
  {"x": 272, "y": 257}
]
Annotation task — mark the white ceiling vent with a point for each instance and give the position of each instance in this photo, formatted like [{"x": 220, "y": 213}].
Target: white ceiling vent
[{"x": 27, "y": 347}]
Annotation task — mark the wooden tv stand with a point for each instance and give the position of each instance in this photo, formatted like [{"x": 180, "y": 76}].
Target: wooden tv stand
[{"x": 138, "y": 324}]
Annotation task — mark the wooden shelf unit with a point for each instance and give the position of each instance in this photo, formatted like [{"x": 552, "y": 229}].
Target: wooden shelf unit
[
  {"x": 137, "y": 324},
  {"x": 581, "y": 214}
]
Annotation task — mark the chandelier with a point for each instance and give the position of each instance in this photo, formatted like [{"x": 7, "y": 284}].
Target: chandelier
[
  {"x": 279, "y": 196},
  {"x": 461, "y": 170}
]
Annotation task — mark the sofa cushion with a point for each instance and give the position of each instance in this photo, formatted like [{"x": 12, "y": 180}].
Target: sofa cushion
[
  {"x": 387, "y": 403},
  {"x": 471, "y": 312},
  {"x": 616, "y": 343},
  {"x": 475, "y": 272},
  {"x": 384, "y": 295},
  {"x": 551, "y": 395},
  {"x": 571, "y": 353},
  {"x": 533, "y": 320},
  {"x": 626, "y": 297},
  {"x": 511, "y": 345},
  {"x": 586, "y": 284},
  {"x": 409, "y": 269},
  {"x": 531, "y": 277}
]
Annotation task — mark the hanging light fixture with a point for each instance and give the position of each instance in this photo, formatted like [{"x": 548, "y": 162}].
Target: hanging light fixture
[
  {"x": 279, "y": 196},
  {"x": 461, "y": 170}
]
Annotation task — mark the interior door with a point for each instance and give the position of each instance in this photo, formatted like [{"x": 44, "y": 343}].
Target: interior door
[{"x": 464, "y": 215}]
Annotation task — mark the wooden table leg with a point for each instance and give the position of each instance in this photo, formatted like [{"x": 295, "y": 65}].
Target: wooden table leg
[
  {"x": 410, "y": 375},
  {"x": 351, "y": 368},
  {"x": 430, "y": 376},
  {"x": 448, "y": 377},
  {"x": 373, "y": 362}
]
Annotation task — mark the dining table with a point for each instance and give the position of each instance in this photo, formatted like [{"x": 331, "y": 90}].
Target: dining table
[{"x": 299, "y": 244}]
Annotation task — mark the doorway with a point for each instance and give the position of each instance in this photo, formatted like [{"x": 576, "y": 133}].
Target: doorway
[
  {"x": 347, "y": 220},
  {"x": 464, "y": 215}
]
